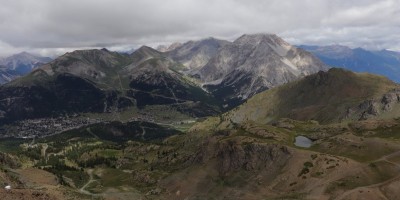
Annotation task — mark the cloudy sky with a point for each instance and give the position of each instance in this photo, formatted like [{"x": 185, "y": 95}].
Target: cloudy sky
[{"x": 51, "y": 27}]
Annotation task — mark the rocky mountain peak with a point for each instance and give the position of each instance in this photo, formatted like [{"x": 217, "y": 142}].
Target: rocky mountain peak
[
  {"x": 23, "y": 54},
  {"x": 89, "y": 52},
  {"x": 210, "y": 41},
  {"x": 146, "y": 49},
  {"x": 255, "y": 39},
  {"x": 166, "y": 48},
  {"x": 89, "y": 56},
  {"x": 254, "y": 63},
  {"x": 145, "y": 52},
  {"x": 20, "y": 64},
  {"x": 23, "y": 59},
  {"x": 142, "y": 54},
  {"x": 93, "y": 64},
  {"x": 195, "y": 54}
]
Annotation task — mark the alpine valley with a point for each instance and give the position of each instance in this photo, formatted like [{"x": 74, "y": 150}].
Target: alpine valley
[{"x": 253, "y": 118}]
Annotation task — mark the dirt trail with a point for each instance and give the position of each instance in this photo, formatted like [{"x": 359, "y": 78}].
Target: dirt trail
[
  {"x": 120, "y": 82},
  {"x": 91, "y": 180},
  {"x": 377, "y": 185},
  {"x": 171, "y": 90},
  {"x": 143, "y": 130},
  {"x": 90, "y": 131},
  {"x": 110, "y": 193},
  {"x": 43, "y": 152}
]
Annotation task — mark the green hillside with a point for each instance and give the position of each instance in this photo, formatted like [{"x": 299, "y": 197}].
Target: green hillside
[{"x": 324, "y": 97}]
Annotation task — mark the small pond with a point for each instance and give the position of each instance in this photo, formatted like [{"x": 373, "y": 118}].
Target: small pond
[{"x": 302, "y": 141}]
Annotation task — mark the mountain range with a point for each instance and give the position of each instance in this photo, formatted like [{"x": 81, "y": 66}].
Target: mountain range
[
  {"x": 256, "y": 118},
  {"x": 383, "y": 62},
  {"x": 103, "y": 81},
  {"x": 235, "y": 71},
  {"x": 195, "y": 54}
]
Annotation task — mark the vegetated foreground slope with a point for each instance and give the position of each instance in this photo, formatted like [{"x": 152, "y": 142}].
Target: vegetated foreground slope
[{"x": 249, "y": 161}]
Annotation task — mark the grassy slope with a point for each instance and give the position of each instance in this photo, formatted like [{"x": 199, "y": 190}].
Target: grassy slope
[{"x": 324, "y": 97}]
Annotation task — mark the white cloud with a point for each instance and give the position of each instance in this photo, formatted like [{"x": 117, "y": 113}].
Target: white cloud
[
  {"x": 377, "y": 13},
  {"x": 50, "y": 27},
  {"x": 6, "y": 49}
]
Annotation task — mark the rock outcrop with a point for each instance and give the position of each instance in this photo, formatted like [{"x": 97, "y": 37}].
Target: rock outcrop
[{"x": 235, "y": 155}]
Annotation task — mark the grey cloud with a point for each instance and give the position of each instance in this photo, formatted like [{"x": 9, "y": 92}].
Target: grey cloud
[{"x": 53, "y": 26}]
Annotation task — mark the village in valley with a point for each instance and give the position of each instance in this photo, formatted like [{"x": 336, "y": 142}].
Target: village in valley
[{"x": 43, "y": 127}]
